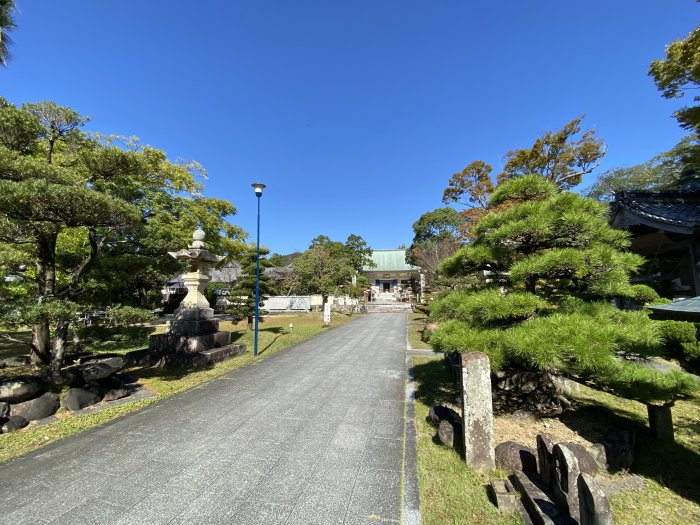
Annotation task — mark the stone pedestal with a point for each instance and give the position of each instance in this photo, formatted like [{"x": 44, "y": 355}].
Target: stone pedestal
[
  {"x": 188, "y": 343},
  {"x": 477, "y": 407}
]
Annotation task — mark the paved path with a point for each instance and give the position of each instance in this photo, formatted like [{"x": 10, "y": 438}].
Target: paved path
[{"x": 313, "y": 435}]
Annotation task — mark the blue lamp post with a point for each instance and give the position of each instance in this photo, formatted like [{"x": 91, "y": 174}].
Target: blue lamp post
[{"x": 258, "y": 187}]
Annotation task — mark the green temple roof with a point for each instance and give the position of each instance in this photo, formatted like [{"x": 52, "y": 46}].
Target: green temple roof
[
  {"x": 685, "y": 309},
  {"x": 390, "y": 261}
]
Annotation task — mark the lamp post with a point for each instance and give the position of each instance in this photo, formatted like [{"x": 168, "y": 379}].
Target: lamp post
[{"x": 258, "y": 187}]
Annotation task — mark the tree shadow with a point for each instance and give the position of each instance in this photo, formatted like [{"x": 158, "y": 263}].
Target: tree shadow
[
  {"x": 434, "y": 383},
  {"x": 236, "y": 336},
  {"x": 672, "y": 465}
]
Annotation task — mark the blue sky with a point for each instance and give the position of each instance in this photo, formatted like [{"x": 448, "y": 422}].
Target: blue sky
[{"x": 355, "y": 114}]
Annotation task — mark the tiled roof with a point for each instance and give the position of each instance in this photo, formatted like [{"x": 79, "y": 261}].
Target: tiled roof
[
  {"x": 691, "y": 305},
  {"x": 389, "y": 261},
  {"x": 672, "y": 208}
]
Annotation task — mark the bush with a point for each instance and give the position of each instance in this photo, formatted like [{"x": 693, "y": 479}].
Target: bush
[
  {"x": 456, "y": 336},
  {"x": 675, "y": 333}
]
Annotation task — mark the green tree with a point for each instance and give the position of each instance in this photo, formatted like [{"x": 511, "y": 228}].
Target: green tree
[
  {"x": 678, "y": 74},
  {"x": 662, "y": 172},
  {"x": 7, "y": 24},
  {"x": 436, "y": 236},
  {"x": 328, "y": 267},
  {"x": 556, "y": 264},
  {"x": 561, "y": 157},
  {"x": 242, "y": 295},
  {"x": 69, "y": 201}
]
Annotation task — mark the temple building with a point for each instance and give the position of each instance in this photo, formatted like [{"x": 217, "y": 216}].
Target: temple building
[
  {"x": 664, "y": 227},
  {"x": 391, "y": 278}
]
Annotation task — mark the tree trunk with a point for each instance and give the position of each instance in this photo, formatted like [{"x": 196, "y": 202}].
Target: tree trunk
[
  {"x": 46, "y": 284},
  {"x": 59, "y": 343},
  {"x": 250, "y": 323}
]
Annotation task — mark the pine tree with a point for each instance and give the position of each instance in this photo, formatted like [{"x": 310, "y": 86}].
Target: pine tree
[
  {"x": 242, "y": 295},
  {"x": 555, "y": 264}
]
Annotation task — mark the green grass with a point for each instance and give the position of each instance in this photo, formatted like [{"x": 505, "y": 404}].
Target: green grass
[
  {"x": 450, "y": 492},
  {"x": 416, "y": 323},
  {"x": 672, "y": 492},
  {"x": 274, "y": 335}
]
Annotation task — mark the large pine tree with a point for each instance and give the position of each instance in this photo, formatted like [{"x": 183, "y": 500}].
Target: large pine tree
[{"x": 554, "y": 265}]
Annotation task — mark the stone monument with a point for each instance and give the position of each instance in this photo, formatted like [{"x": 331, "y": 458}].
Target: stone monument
[{"x": 193, "y": 328}]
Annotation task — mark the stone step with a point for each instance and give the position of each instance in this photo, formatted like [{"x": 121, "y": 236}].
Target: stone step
[{"x": 376, "y": 307}]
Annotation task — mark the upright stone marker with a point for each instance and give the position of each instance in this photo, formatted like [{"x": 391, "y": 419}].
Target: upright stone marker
[
  {"x": 477, "y": 407},
  {"x": 566, "y": 473},
  {"x": 594, "y": 504},
  {"x": 661, "y": 422}
]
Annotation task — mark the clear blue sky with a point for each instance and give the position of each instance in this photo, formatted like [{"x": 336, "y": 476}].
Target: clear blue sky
[{"x": 355, "y": 114}]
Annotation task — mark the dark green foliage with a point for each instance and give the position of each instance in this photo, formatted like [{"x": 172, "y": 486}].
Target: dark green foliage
[
  {"x": 560, "y": 263},
  {"x": 488, "y": 308},
  {"x": 242, "y": 295},
  {"x": 674, "y": 333}
]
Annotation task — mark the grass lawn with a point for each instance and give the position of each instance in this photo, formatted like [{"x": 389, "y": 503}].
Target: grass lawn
[
  {"x": 274, "y": 335},
  {"x": 450, "y": 493},
  {"x": 416, "y": 323}
]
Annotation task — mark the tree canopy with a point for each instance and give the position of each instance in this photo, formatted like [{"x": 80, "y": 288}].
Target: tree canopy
[
  {"x": 329, "y": 266},
  {"x": 555, "y": 264},
  {"x": 662, "y": 172},
  {"x": 90, "y": 218},
  {"x": 7, "y": 24},
  {"x": 679, "y": 74}
]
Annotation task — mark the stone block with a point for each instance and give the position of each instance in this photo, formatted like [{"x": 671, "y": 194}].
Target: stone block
[
  {"x": 661, "y": 422},
  {"x": 541, "y": 509},
  {"x": 194, "y": 328},
  {"x": 505, "y": 499},
  {"x": 594, "y": 504},
  {"x": 179, "y": 343},
  {"x": 77, "y": 398},
  {"x": 545, "y": 446},
  {"x": 566, "y": 473},
  {"x": 12, "y": 423},
  {"x": 477, "y": 410}
]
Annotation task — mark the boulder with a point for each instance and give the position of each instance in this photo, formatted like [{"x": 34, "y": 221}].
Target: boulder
[
  {"x": 96, "y": 370},
  {"x": 126, "y": 378},
  {"x": 513, "y": 456},
  {"x": 109, "y": 383},
  {"x": 12, "y": 423},
  {"x": 37, "y": 408},
  {"x": 115, "y": 361},
  {"x": 20, "y": 388},
  {"x": 77, "y": 398},
  {"x": 114, "y": 394},
  {"x": 440, "y": 413},
  {"x": 65, "y": 377},
  {"x": 4, "y": 409},
  {"x": 446, "y": 433}
]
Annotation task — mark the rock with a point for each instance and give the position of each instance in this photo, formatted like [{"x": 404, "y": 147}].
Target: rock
[
  {"x": 65, "y": 377},
  {"x": 594, "y": 505},
  {"x": 439, "y": 413},
  {"x": 20, "y": 388},
  {"x": 598, "y": 452},
  {"x": 126, "y": 378},
  {"x": 77, "y": 398},
  {"x": 512, "y": 456},
  {"x": 96, "y": 370},
  {"x": 13, "y": 423},
  {"x": 109, "y": 383},
  {"x": 37, "y": 408},
  {"x": 115, "y": 361},
  {"x": 545, "y": 450},
  {"x": 446, "y": 433},
  {"x": 566, "y": 473},
  {"x": 20, "y": 360},
  {"x": 586, "y": 461},
  {"x": 4, "y": 409},
  {"x": 619, "y": 445},
  {"x": 114, "y": 394}
]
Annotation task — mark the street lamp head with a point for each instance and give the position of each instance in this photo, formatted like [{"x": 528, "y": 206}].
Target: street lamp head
[{"x": 258, "y": 187}]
